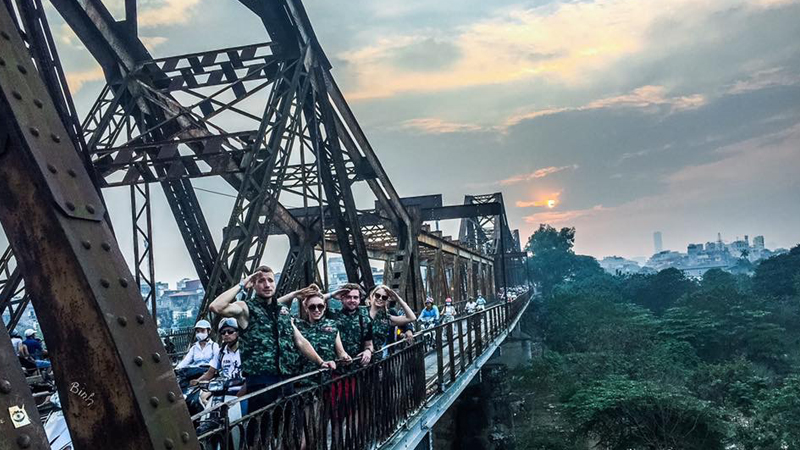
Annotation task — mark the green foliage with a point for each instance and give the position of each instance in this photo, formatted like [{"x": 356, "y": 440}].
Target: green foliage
[
  {"x": 777, "y": 276},
  {"x": 776, "y": 424},
  {"x": 734, "y": 384},
  {"x": 553, "y": 260},
  {"x": 660, "y": 291},
  {"x": 664, "y": 362},
  {"x": 623, "y": 414}
]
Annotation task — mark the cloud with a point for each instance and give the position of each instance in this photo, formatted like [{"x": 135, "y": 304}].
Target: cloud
[
  {"x": 698, "y": 200},
  {"x": 167, "y": 12},
  {"x": 543, "y": 201},
  {"x": 776, "y": 76},
  {"x": 433, "y": 125},
  {"x": 151, "y": 42},
  {"x": 517, "y": 44},
  {"x": 76, "y": 80},
  {"x": 649, "y": 98},
  {"x": 538, "y": 173},
  {"x": 562, "y": 217}
]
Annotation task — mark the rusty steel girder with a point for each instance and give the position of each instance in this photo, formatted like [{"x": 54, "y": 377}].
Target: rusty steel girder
[{"x": 117, "y": 387}]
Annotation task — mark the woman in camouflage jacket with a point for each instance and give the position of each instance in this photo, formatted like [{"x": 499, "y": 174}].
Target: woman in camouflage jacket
[{"x": 321, "y": 333}]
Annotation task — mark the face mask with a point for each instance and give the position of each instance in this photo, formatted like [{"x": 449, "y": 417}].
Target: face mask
[{"x": 201, "y": 336}]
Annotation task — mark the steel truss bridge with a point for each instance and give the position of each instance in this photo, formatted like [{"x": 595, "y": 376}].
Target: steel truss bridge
[{"x": 172, "y": 120}]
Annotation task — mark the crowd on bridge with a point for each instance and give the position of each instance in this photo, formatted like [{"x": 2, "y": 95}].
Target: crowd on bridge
[{"x": 265, "y": 343}]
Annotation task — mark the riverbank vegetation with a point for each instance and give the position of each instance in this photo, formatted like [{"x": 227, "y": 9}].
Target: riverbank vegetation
[{"x": 660, "y": 361}]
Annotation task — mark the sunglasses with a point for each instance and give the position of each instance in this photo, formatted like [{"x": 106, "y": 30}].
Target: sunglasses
[
  {"x": 377, "y": 296},
  {"x": 226, "y": 332},
  {"x": 317, "y": 307}
]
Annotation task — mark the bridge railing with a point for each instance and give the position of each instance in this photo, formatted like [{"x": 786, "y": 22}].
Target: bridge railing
[{"x": 365, "y": 407}]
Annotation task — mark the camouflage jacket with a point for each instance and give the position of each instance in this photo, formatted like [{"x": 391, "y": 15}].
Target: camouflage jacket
[
  {"x": 383, "y": 329},
  {"x": 321, "y": 336},
  {"x": 354, "y": 329},
  {"x": 267, "y": 344}
]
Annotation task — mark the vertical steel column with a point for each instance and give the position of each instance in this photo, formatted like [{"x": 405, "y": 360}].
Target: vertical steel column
[
  {"x": 117, "y": 387},
  {"x": 143, "y": 258}
]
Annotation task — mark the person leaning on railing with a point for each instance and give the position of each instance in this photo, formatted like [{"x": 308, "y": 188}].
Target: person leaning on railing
[
  {"x": 354, "y": 323},
  {"x": 322, "y": 333},
  {"x": 268, "y": 340},
  {"x": 385, "y": 319}
]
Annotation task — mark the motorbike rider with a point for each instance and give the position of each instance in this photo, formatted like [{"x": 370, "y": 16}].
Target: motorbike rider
[
  {"x": 430, "y": 314},
  {"x": 449, "y": 313},
  {"x": 203, "y": 351},
  {"x": 227, "y": 363},
  {"x": 480, "y": 302},
  {"x": 35, "y": 349},
  {"x": 470, "y": 306}
]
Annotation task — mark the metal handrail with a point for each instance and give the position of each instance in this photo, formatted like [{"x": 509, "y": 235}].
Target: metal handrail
[{"x": 367, "y": 406}]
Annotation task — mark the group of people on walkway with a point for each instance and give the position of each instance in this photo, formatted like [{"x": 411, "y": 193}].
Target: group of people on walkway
[
  {"x": 265, "y": 344},
  {"x": 30, "y": 351}
]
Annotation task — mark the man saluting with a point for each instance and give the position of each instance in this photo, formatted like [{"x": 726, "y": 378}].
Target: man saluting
[{"x": 268, "y": 339}]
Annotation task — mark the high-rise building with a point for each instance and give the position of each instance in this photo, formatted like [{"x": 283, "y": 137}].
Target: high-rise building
[
  {"x": 758, "y": 242},
  {"x": 657, "y": 244}
]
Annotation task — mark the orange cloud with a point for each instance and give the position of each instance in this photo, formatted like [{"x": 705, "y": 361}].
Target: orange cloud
[
  {"x": 562, "y": 217},
  {"x": 432, "y": 125},
  {"x": 168, "y": 12},
  {"x": 539, "y": 173},
  {"x": 76, "y": 80},
  {"x": 643, "y": 97}
]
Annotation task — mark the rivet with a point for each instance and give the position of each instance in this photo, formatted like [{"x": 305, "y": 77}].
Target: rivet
[
  {"x": 138, "y": 361},
  {"x": 24, "y": 441},
  {"x": 72, "y": 173},
  {"x": 123, "y": 282},
  {"x": 90, "y": 209},
  {"x": 154, "y": 401},
  {"x": 104, "y": 283},
  {"x": 56, "y": 138},
  {"x": 34, "y": 131},
  {"x": 156, "y": 357},
  {"x": 86, "y": 244},
  {"x": 185, "y": 437},
  {"x": 5, "y": 386},
  {"x": 52, "y": 168},
  {"x": 38, "y": 103},
  {"x": 122, "y": 321},
  {"x": 171, "y": 397},
  {"x": 140, "y": 319},
  {"x": 168, "y": 444},
  {"x": 2, "y": 62},
  {"x": 22, "y": 69},
  {"x": 105, "y": 246},
  {"x": 5, "y": 35},
  {"x": 70, "y": 206},
  {"x": 16, "y": 95}
]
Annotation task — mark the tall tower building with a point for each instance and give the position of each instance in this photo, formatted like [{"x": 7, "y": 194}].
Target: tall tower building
[
  {"x": 658, "y": 246},
  {"x": 758, "y": 242}
]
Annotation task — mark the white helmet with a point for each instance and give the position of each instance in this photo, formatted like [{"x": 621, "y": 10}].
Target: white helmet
[
  {"x": 202, "y": 324},
  {"x": 228, "y": 322},
  {"x": 30, "y": 332}
]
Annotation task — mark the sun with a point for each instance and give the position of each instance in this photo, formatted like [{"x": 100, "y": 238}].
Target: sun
[{"x": 551, "y": 204}]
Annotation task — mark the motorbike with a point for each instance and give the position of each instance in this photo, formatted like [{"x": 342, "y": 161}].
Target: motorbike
[
  {"x": 427, "y": 338},
  {"x": 222, "y": 390}
]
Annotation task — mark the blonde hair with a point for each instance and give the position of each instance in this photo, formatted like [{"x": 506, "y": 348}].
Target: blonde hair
[
  {"x": 386, "y": 289},
  {"x": 308, "y": 293}
]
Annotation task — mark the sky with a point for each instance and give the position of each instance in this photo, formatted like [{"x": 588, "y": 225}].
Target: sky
[{"x": 626, "y": 116}]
